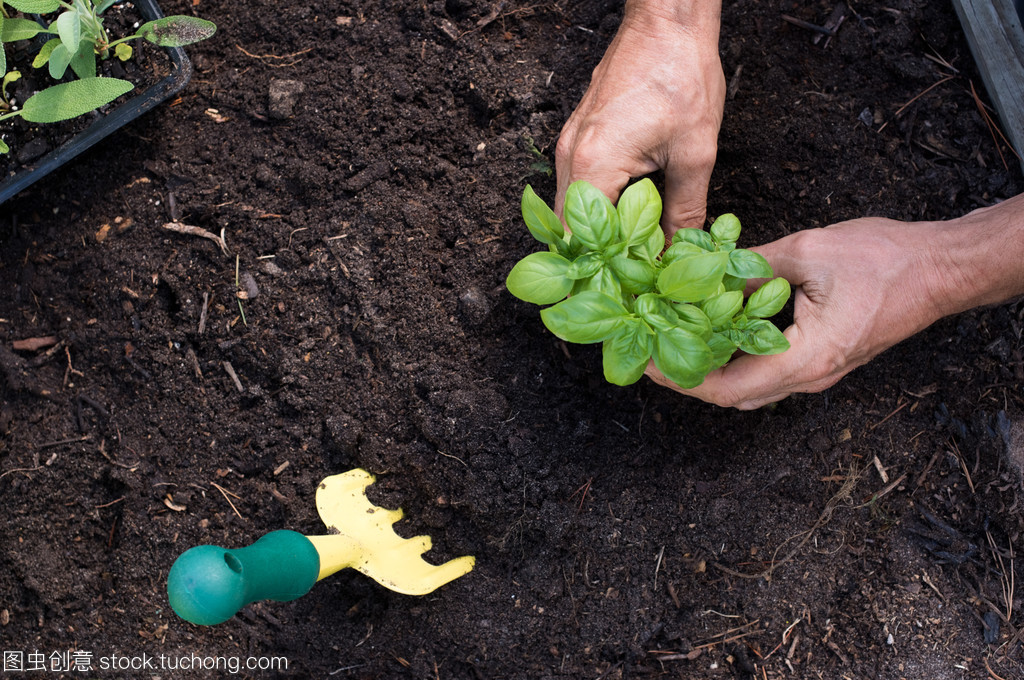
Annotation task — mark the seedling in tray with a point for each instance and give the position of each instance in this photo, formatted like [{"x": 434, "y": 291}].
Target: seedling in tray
[
  {"x": 78, "y": 39},
  {"x": 611, "y": 280}
]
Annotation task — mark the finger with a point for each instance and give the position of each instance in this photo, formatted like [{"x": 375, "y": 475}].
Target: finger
[
  {"x": 686, "y": 195},
  {"x": 587, "y": 155}
]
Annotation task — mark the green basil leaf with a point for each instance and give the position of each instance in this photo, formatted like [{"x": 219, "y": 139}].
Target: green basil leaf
[
  {"x": 603, "y": 281},
  {"x": 540, "y": 278},
  {"x": 682, "y": 357},
  {"x": 541, "y": 220},
  {"x": 722, "y": 307},
  {"x": 3, "y": 147},
  {"x": 69, "y": 100},
  {"x": 693, "y": 278},
  {"x": 726, "y": 229},
  {"x": 746, "y": 264},
  {"x": 590, "y": 215},
  {"x": 639, "y": 211},
  {"x": 722, "y": 349},
  {"x": 678, "y": 251},
  {"x": 730, "y": 282},
  {"x": 697, "y": 237},
  {"x": 588, "y": 317},
  {"x": 20, "y": 29},
  {"x": 614, "y": 250},
  {"x": 659, "y": 314},
  {"x": 762, "y": 337},
  {"x": 585, "y": 266},
  {"x": 636, "y": 276},
  {"x": 692, "y": 319},
  {"x": 768, "y": 300},
  {"x": 626, "y": 353},
  {"x": 176, "y": 31}
]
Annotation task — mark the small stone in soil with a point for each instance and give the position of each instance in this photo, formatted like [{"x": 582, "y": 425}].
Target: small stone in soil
[{"x": 284, "y": 94}]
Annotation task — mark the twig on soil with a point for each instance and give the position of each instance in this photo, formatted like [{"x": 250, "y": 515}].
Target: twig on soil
[
  {"x": 203, "y": 312},
  {"x": 31, "y": 469},
  {"x": 229, "y": 369},
  {"x": 224, "y": 492},
  {"x": 199, "y": 231},
  {"x": 915, "y": 98},
  {"x": 448, "y": 455},
  {"x": 898, "y": 409},
  {"x": 62, "y": 442},
  {"x": 990, "y": 671},
  {"x": 34, "y": 344},
  {"x": 657, "y": 565},
  {"x": 265, "y": 58},
  {"x": 808, "y": 25},
  {"x": 1006, "y": 582},
  {"x": 843, "y": 495},
  {"x": 103, "y": 452},
  {"x": 963, "y": 465},
  {"x": 993, "y": 128}
]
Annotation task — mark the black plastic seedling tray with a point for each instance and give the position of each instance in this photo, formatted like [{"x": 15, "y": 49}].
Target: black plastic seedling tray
[{"x": 181, "y": 72}]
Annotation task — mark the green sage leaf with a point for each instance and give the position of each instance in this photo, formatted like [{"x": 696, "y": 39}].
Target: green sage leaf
[
  {"x": 626, "y": 353},
  {"x": 83, "y": 62},
  {"x": 639, "y": 211},
  {"x": 540, "y": 278},
  {"x": 20, "y": 29},
  {"x": 682, "y": 357},
  {"x": 69, "y": 100},
  {"x": 588, "y": 317},
  {"x": 746, "y": 264},
  {"x": 34, "y": 6},
  {"x": 722, "y": 307},
  {"x": 69, "y": 28},
  {"x": 541, "y": 220},
  {"x": 176, "y": 31},
  {"x": 697, "y": 237},
  {"x": 693, "y": 278},
  {"x": 60, "y": 58},
  {"x": 590, "y": 215},
  {"x": 768, "y": 300},
  {"x": 726, "y": 229},
  {"x": 43, "y": 56}
]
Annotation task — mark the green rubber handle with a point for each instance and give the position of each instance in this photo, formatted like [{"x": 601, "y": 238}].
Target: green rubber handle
[{"x": 208, "y": 584}]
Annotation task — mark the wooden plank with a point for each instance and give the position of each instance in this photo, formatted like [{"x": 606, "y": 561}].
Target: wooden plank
[{"x": 994, "y": 33}]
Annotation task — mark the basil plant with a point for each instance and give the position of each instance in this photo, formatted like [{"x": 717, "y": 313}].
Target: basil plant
[{"x": 610, "y": 279}]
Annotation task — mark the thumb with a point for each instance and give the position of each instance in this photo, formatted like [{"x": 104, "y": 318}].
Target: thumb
[
  {"x": 784, "y": 259},
  {"x": 685, "y": 204}
]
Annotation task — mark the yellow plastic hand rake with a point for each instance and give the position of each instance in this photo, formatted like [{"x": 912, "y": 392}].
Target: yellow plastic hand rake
[{"x": 209, "y": 584}]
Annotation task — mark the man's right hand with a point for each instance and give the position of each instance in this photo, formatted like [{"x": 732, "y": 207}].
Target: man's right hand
[{"x": 654, "y": 102}]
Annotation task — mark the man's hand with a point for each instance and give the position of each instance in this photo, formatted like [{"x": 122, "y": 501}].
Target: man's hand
[
  {"x": 654, "y": 102},
  {"x": 859, "y": 288},
  {"x": 864, "y": 285}
]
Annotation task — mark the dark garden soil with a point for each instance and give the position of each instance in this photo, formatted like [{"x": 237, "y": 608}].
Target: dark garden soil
[{"x": 868, "y": 532}]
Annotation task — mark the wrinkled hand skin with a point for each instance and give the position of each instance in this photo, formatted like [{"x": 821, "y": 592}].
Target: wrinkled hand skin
[
  {"x": 862, "y": 286},
  {"x": 654, "y": 102}
]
